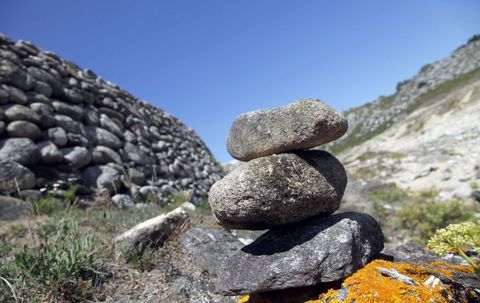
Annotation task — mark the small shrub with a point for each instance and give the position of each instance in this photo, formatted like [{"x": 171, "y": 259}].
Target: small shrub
[
  {"x": 474, "y": 185},
  {"x": 386, "y": 196},
  {"x": 141, "y": 259},
  {"x": 47, "y": 205},
  {"x": 422, "y": 217}
]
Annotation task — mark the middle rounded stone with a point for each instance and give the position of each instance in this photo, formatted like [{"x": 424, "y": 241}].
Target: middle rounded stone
[{"x": 279, "y": 189}]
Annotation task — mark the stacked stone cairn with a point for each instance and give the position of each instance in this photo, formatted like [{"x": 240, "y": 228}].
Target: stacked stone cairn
[{"x": 292, "y": 190}]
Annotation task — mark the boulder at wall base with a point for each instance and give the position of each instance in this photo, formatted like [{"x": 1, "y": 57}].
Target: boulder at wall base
[
  {"x": 209, "y": 247},
  {"x": 13, "y": 175},
  {"x": 149, "y": 234},
  {"x": 12, "y": 208},
  {"x": 279, "y": 189},
  {"x": 123, "y": 201},
  {"x": 300, "y": 125},
  {"x": 77, "y": 156},
  {"x": 322, "y": 249},
  {"x": 102, "y": 177},
  {"x": 20, "y": 150}
]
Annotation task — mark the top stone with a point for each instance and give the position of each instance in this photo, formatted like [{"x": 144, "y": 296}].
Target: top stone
[{"x": 300, "y": 125}]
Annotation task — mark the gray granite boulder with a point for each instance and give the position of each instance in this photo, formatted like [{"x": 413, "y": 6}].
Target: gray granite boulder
[
  {"x": 77, "y": 156},
  {"x": 279, "y": 189},
  {"x": 58, "y": 136},
  {"x": 322, "y": 249},
  {"x": 209, "y": 247},
  {"x": 12, "y": 208},
  {"x": 73, "y": 111},
  {"x": 100, "y": 136},
  {"x": 24, "y": 129},
  {"x": 296, "y": 126},
  {"x": 21, "y": 112},
  {"x": 102, "y": 177},
  {"x": 20, "y": 150},
  {"x": 13, "y": 174},
  {"x": 104, "y": 155},
  {"x": 49, "y": 153},
  {"x": 46, "y": 112},
  {"x": 123, "y": 201}
]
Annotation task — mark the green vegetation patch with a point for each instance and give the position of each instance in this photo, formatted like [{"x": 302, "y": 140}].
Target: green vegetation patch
[
  {"x": 423, "y": 216},
  {"x": 65, "y": 265}
]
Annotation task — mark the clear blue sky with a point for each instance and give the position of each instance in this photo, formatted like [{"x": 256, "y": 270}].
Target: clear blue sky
[{"x": 206, "y": 61}]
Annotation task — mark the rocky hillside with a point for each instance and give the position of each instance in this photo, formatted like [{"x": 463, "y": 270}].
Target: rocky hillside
[
  {"x": 60, "y": 123},
  {"x": 426, "y": 134}
]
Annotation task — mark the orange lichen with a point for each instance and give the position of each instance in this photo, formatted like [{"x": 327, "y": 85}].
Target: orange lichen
[
  {"x": 368, "y": 285},
  {"x": 447, "y": 269}
]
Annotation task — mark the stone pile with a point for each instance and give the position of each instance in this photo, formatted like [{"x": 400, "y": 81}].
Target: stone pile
[
  {"x": 292, "y": 191},
  {"x": 61, "y": 122}
]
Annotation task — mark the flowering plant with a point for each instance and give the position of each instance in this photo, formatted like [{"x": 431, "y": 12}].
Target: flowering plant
[{"x": 458, "y": 238}]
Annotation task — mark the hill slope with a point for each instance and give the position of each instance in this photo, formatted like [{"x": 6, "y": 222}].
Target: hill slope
[{"x": 426, "y": 134}]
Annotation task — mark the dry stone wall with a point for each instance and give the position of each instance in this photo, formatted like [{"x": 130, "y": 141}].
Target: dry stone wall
[{"x": 60, "y": 123}]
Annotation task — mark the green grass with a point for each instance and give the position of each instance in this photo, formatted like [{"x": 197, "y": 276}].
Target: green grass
[
  {"x": 50, "y": 204},
  {"x": 67, "y": 262},
  {"x": 65, "y": 266},
  {"x": 141, "y": 259}
]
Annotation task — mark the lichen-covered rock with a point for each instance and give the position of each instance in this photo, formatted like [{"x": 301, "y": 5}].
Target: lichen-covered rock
[
  {"x": 323, "y": 249},
  {"x": 411, "y": 282},
  {"x": 300, "y": 125},
  {"x": 279, "y": 189}
]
